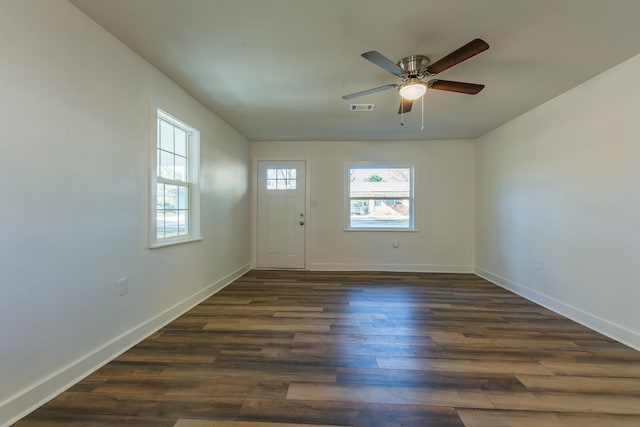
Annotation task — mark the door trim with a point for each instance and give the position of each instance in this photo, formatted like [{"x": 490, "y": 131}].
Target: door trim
[{"x": 254, "y": 203}]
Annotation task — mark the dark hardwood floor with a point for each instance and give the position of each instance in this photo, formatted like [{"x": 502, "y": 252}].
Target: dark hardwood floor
[{"x": 286, "y": 348}]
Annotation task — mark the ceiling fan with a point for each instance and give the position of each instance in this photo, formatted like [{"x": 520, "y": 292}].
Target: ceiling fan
[{"x": 413, "y": 69}]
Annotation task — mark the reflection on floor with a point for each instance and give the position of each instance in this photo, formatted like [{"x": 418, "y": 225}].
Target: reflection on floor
[{"x": 287, "y": 348}]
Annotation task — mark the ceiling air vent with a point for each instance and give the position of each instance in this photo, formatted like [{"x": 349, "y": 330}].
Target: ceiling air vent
[{"x": 361, "y": 107}]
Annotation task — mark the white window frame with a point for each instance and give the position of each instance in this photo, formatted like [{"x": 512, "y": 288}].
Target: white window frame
[
  {"x": 379, "y": 165},
  {"x": 192, "y": 182}
]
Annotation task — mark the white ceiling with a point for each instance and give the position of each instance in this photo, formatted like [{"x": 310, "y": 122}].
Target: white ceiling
[{"x": 276, "y": 69}]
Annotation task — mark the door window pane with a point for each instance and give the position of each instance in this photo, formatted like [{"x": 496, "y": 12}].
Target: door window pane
[{"x": 281, "y": 179}]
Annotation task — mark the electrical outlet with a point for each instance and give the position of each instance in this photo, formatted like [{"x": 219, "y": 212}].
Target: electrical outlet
[{"x": 122, "y": 286}]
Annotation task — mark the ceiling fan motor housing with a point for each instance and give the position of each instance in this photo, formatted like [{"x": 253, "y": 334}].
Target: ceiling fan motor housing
[{"x": 415, "y": 66}]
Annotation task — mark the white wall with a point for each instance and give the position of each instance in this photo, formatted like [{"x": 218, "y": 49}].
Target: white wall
[
  {"x": 444, "y": 212},
  {"x": 560, "y": 185},
  {"x": 74, "y": 110}
]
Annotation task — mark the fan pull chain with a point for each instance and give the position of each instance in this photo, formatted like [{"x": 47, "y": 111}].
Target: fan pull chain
[
  {"x": 422, "y": 111},
  {"x": 401, "y": 111}
]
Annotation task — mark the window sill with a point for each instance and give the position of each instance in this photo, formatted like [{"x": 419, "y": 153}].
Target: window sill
[
  {"x": 400, "y": 230},
  {"x": 174, "y": 242}
]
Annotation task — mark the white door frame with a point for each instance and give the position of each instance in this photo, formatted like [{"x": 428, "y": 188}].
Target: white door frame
[{"x": 254, "y": 203}]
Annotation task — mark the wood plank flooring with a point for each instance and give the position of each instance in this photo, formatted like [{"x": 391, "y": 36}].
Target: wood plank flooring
[{"x": 287, "y": 348}]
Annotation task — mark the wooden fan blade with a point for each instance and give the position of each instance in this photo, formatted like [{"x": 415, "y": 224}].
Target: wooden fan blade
[
  {"x": 407, "y": 104},
  {"x": 460, "y": 87},
  {"x": 382, "y": 61},
  {"x": 470, "y": 49},
  {"x": 369, "y": 91}
]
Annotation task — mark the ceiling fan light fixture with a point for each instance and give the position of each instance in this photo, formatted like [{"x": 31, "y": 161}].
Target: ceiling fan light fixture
[{"x": 413, "y": 90}]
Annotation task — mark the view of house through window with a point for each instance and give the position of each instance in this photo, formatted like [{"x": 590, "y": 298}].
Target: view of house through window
[
  {"x": 175, "y": 180},
  {"x": 172, "y": 202},
  {"x": 380, "y": 197}
]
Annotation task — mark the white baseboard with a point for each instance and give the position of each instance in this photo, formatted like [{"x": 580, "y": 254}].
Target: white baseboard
[
  {"x": 612, "y": 330},
  {"x": 406, "y": 268},
  {"x": 26, "y": 401}
]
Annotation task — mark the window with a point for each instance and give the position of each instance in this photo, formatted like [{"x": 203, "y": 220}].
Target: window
[
  {"x": 281, "y": 179},
  {"x": 379, "y": 197},
  {"x": 174, "y": 191}
]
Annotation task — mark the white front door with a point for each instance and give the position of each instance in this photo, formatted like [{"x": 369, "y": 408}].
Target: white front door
[{"x": 281, "y": 214}]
